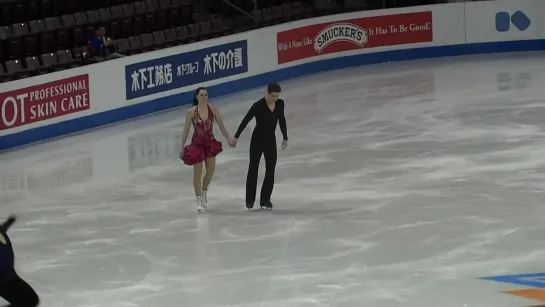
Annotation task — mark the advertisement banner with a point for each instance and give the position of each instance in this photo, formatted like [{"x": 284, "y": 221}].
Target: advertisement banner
[
  {"x": 185, "y": 69},
  {"x": 44, "y": 101},
  {"x": 502, "y": 21},
  {"x": 345, "y": 35}
]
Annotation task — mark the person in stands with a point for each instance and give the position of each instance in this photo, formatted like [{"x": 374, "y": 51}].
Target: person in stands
[{"x": 99, "y": 45}]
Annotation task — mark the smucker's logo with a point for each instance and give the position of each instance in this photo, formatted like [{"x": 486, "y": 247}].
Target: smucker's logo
[{"x": 340, "y": 32}]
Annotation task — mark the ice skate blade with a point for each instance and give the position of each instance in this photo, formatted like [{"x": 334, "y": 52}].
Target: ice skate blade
[{"x": 266, "y": 208}]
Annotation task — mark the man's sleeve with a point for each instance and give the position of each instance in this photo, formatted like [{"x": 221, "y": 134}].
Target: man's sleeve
[
  {"x": 282, "y": 122},
  {"x": 7, "y": 224},
  {"x": 249, "y": 116}
]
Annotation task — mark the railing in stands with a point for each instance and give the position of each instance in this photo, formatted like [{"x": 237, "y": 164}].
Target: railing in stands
[{"x": 251, "y": 16}]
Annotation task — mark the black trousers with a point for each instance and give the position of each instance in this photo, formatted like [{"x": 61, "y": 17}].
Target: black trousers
[
  {"x": 18, "y": 293},
  {"x": 267, "y": 148}
]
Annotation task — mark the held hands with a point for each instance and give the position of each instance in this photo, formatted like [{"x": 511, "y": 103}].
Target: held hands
[{"x": 232, "y": 141}]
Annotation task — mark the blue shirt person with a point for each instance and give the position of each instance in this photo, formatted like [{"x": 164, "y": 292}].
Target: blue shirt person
[{"x": 99, "y": 45}]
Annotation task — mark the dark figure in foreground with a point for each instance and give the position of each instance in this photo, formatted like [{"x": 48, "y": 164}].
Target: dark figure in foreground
[
  {"x": 12, "y": 288},
  {"x": 267, "y": 111}
]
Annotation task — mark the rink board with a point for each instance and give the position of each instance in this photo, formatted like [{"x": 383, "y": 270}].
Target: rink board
[{"x": 54, "y": 105}]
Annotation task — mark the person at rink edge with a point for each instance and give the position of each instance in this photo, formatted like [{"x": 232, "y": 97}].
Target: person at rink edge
[
  {"x": 268, "y": 111},
  {"x": 13, "y": 289},
  {"x": 204, "y": 147}
]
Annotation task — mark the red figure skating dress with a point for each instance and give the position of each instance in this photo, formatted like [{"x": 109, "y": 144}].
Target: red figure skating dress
[{"x": 203, "y": 144}]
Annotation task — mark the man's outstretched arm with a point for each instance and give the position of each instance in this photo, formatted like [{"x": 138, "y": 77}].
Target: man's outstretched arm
[{"x": 7, "y": 224}]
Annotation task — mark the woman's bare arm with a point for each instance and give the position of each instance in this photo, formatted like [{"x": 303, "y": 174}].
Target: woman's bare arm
[
  {"x": 220, "y": 122},
  {"x": 187, "y": 125}
]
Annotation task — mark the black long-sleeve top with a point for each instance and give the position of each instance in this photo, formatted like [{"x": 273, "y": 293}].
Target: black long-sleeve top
[
  {"x": 266, "y": 121},
  {"x": 7, "y": 257}
]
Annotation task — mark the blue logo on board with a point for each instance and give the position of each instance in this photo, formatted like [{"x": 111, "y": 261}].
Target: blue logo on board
[
  {"x": 185, "y": 69},
  {"x": 504, "y": 20},
  {"x": 533, "y": 285},
  {"x": 536, "y": 280}
]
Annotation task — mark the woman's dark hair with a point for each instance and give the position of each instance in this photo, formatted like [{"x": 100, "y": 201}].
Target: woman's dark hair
[{"x": 195, "y": 101}]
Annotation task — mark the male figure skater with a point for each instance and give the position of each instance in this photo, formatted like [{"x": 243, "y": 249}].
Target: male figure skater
[
  {"x": 267, "y": 111},
  {"x": 12, "y": 288}
]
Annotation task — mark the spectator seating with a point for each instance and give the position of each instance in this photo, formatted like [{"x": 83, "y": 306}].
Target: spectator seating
[{"x": 42, "y": 36}]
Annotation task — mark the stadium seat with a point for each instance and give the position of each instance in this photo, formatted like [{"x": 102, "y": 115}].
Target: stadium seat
[
  {"x": 33, "y": 65},
  {"x": 135, "y": 45},
  {"x": 33, "y": 10},
  {"x": 204, "y": 30},
  {"x": 31, "y": 45},
  {"x": 66, "y": 59},
  {"x": 171, "y": 38},
  {"x": 122, "y": 46},
  {"x": 15, "y": 47},
  {"x": 36, "y": 26},
  {"x": 159, "y": 40},
  {"x": 277, "y": 15},
  {"x": 175, "y": 17},
  {"x": 3, "y": 74},
  {"x": 192, "y": 33},
  {"x": 6, "y": 14},
  {"x": 45, "y": 9},
  {"x": 20, "y": 29},
  {"x": 147, "y": 42},
  {"x": 19, "y": 12},
  {"x": 182, "y": 34},
  {"x": 15, "y": 68},
  {"x": 49, "y": 61},
  {"x": 161, "y": 21},
  {"x": 150, "y": 23}
]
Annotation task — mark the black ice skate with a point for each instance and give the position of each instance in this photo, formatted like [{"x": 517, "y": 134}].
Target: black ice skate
[
  {"x": 250, "y": 206},
  {"x": 267, "y": 206}
]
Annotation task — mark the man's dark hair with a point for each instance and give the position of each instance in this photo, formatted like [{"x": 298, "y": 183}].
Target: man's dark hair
[
  {"x": 274, "y": 88},
  {"x": 98, "y": 26}
]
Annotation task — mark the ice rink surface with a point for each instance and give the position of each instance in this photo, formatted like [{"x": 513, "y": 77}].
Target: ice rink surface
[{"x": 403, "y": 183}]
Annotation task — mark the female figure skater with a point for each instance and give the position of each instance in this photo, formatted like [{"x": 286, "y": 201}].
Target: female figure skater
[
  {"x": 12, "y": 288},
  {"x": 204, "y": 147}
]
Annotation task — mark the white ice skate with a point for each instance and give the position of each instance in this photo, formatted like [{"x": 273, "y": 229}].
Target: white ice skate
[
  {"x": 200, "y": 207},
  {"x": 204, "y": 201}
]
